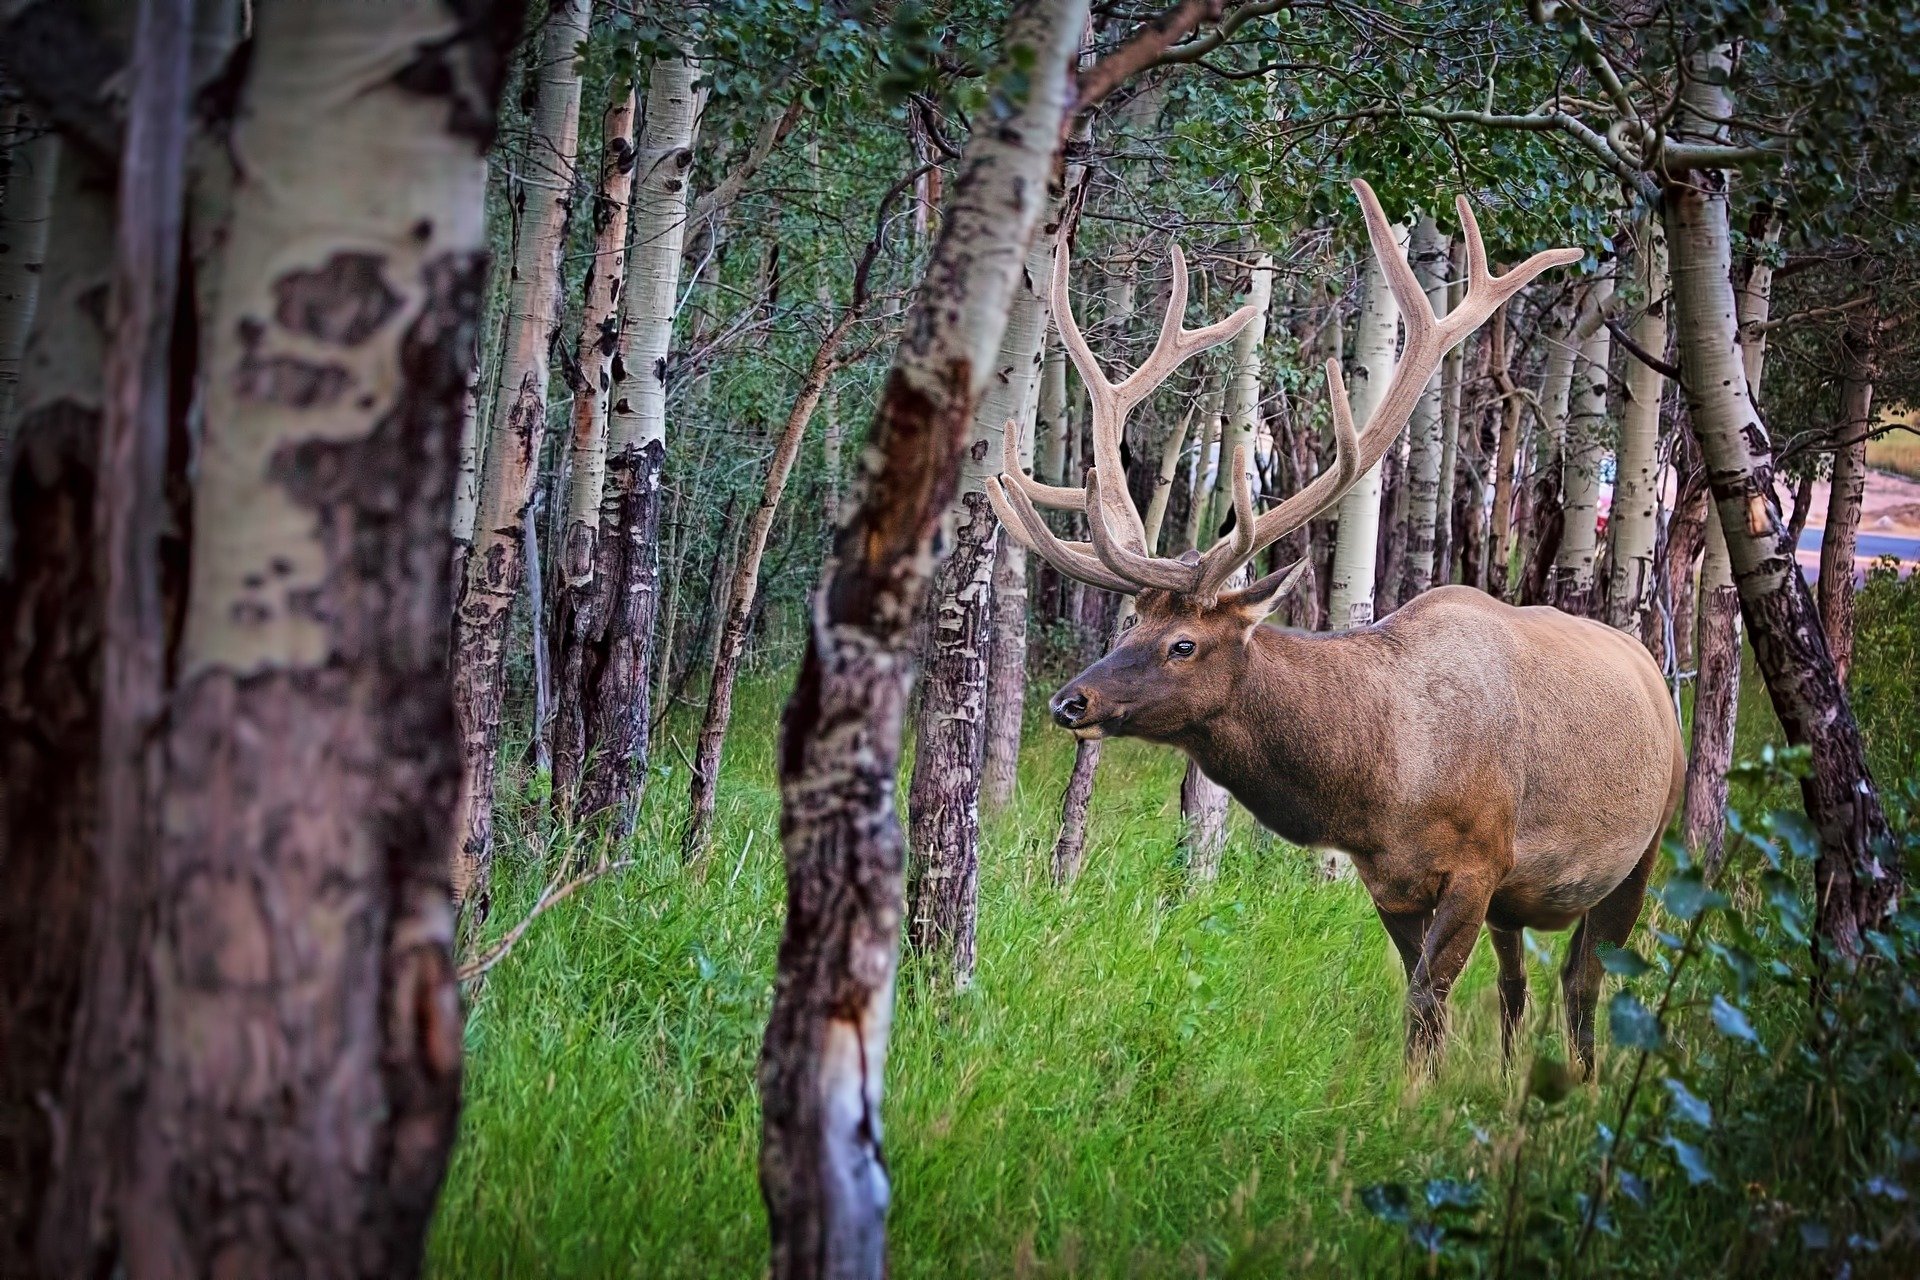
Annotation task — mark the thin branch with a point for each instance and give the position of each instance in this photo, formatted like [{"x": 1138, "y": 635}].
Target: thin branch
[
  {"x": 772, "y": 133},
  {"x": 555, "y": 895},
  {"x": 1640, "y": 353},
  {"x": 1194, "y": 50},
  {"x": 1146, "y": 47},
  {"x": 1800, "y": 317}
]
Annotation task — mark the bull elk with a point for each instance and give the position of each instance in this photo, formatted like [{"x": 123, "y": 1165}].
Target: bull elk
[{"x": 1479, "y": 763}]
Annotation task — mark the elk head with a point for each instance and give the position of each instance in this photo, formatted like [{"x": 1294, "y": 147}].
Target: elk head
[{"x": 1179, "y": 664}]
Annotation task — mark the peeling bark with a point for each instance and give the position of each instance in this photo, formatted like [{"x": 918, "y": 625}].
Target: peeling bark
[
  {"x": 578, "y": 605},
  {"x": 822, "y": 1171},
  {"x": 482, "y": 615}
]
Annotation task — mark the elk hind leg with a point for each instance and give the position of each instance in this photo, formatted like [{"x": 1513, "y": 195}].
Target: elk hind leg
[
  {"x": 1509, "y": 947},
  {"x": 1611, "y": 921}
]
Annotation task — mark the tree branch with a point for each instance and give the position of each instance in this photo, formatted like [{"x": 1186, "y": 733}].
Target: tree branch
[
  {"x": 1194, "y": 50},
  {"x": 1640, "y": 353},
  {"x": 1146, "y": 47},
  {"x": 772, "y": 133}
]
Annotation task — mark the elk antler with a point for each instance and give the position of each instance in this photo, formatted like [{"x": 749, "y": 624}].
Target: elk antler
[
  {"x": 1122, "y": 554},
  {"x": 1122, "y": 562}
]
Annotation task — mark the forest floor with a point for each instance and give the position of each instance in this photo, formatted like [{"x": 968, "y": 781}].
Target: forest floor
[{"x": 1147, "y": 1077}]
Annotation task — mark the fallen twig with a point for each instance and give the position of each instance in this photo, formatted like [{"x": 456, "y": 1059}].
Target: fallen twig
[{"x": 554, "y": 895}]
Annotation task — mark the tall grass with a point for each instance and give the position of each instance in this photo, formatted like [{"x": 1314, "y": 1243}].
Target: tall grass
[{"x": 1147, "y": 1077}]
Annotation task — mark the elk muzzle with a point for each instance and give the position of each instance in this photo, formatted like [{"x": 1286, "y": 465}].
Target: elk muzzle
[{"x": 1080, "y": 709}]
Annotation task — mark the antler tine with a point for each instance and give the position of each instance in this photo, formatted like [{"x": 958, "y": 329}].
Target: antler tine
[
  {"x": 1044, "y": 495},
  {"x": 1428, "y": 339},
  {"x": 1146, "y": 570},
  {"x": 1415, "y": 311},
  {"x": 1023, "y": 522}
]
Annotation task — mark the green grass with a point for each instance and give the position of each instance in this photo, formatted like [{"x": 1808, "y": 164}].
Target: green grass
[{"x": 1147, "y": 1077}]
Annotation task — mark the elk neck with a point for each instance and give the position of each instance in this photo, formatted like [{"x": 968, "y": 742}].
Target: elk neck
[{"x": 1306, "y": 739}]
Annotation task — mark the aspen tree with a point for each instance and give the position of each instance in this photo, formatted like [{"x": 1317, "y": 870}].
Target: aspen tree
[
  {"x": 1452, "y": 392},
  {"x": 577, "y": 616},
  {"x": 1855, "y": 882},
  {"x": 950, "y": 746},
  {"x": 822, "y": 1171},
  {"x": 1859, "y": 353},
  {"x": 1375, "y": 343},
  {"x": 1582, "y": 450},
  {"x": 1204, "y": 803},
  {"x": 616, "y": 712},
  {"x": 1427, "y": 253},
  {"x": 32, "y": 158},
  {"x": 496, "y": 564},
  {"x": 1630, "y": 523}
]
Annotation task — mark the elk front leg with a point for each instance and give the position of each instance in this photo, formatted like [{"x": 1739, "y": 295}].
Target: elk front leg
[
  {"x": 1511, "y": 950},
  {"x": 1443, "y": 954}
]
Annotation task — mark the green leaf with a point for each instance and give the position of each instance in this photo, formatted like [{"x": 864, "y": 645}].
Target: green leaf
[
  {"x": 1732, "y": 1022},
  {"x": 1688, "y": 1105},
  {"x": 1632, "y": 1023},
  {"x": 1622, "y": 962},
  {"x": 1690, "y": 1159},
  {"x": 1549, "y": 1080}
]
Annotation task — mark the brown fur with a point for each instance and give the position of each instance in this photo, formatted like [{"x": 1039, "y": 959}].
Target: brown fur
[{"x": 1480, "y": 763}]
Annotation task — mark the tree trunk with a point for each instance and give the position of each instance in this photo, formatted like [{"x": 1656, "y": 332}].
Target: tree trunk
[
  {"x": 1859, "y": 357},
  {"x": 1203, "y": 802},
  {"x": 1716, "y": 705},
  {"x": 483, "y": 612},
  {"x": 1428, "y": 255},
  {"x": 50, "y": 610},
  {"x": 1506, "y": 458},
  {"x": 1856, "y": 880},
  {"x": 1631, "y": 527},
  {"x": 25, "y": 207},
  {"x": 579, "y": 608},
  {"x": 293, "y": 947},
  {"x": 1581, "y": 452},
  {"x": 616, "y": 649},
  {"x": 1452, "y": 388},
  {"x": 742, "y": 592},
  {"x": 822, "y": 1171},
  {"x": 1375, "y": 340}
]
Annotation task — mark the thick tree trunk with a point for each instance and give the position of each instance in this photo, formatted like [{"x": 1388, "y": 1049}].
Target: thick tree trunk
[
  {"x": 822, "y": 1171},
  {"x": 743, "y": 591},
  {"x": 483, "y": 612},
  {"x": 50, "y": 608},
  {"x": 1839, "y": 539},
  {"x": 295, "y": 952},
  {"x": 1428, "y": 254},
  {"x": 616, "y": 648},
  {"x": 578, "y": 608},
  {"x": 1582, "y": 450},
  {"x": 1375, "y": 340},
  {"x": 1856, "y": 878},
  {"x": 1631, "y": 526}
]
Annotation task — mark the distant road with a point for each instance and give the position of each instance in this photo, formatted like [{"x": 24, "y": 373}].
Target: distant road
[{"x": 1869, "y": 547}]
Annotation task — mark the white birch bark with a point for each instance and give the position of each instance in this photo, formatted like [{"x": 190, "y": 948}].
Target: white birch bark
[
  {"x": 1581, "y": 455},
  {"x": 24, "y": 218},
  {"x": 1631, "y": 527},
  {"x": 1375, "y": 340},
  {"x": 495, "y": 564},
  {"x": 1427, "y": 252}
]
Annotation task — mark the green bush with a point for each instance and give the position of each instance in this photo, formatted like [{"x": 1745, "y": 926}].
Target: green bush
[{"x": 1885, "y": 681}]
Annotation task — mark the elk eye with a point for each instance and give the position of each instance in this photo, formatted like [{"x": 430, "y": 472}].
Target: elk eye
[{"x": 1182, "y": 649}]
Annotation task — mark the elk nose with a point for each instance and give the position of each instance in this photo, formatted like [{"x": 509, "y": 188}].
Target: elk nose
[{"x": 1069, "y": 708}]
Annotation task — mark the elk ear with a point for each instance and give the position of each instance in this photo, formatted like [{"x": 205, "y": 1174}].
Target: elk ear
[{"x": 1263, "y": 597}]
